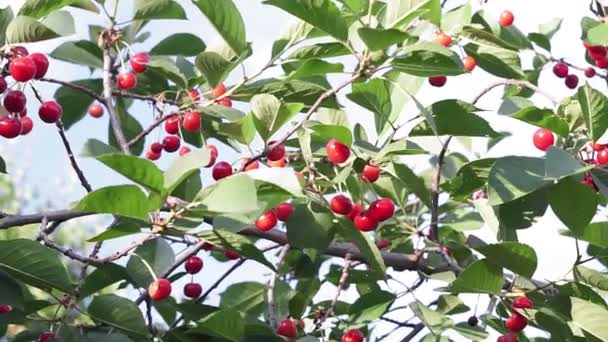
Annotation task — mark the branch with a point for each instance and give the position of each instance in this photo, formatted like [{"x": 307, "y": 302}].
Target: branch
[
  {"x": 68, "y": 149},
  {"x": 151, "y": 98},
  {"x": 272, "y": 318},
  {"x": 76, "y": 86},
  {"x": 519, "y": 83},
  {"x": 58, "y": 215},
  {"x": 148, "y": 130},
  {"x": 413, "y": 333},
  {"x": 576, "y": 67},
  {"x": 341, "y": 285},
  {"x": 435, "y": 191}
]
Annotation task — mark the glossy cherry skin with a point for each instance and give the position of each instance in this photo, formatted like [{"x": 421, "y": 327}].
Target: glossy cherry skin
[
  {"x": 522, "y": 303},
  {"x": 469, "y": 63},
  {"x": 357, "y": 209},
  {"x": 151, "y": 155},
  {"x": 184, "y": 150},
  {"x": 560, "y": 70},
  {"x": 508, "y": 338},
  {"x": 19, "y": 51},
  {"x": 353, "y": 335},
  {"x": 192, "y": 122},
  {"x": 226, "y": 101},
  {"x": 50, "y": 112},
  {"x": 96, "y": 110},
  {"x": 571, "y": 81},
  {"x": 251, "y": 166},
  {"x": 543, "y": 139},
  {"x": 42, "y": 64},
  {"x": 590, "y": 72},
  {"x": 337, "y": 152},
  {"x": 172, "y": 125},
  {"x": 231, "y": 255},
  {"x": 221, "y": 170},
  {"x": 381, "y": 210},
  {"x": 341, "y": 204},
  {"x": 371, "y": 173},
  {"x": 516, "y": 322},
  {"x": 283, "y": 211},
  {"x": 287, "y": 329},
  {"x": 276, "y": 153},
  {"x": 213, "y": 153},
  {"x": 26, "y": 125},
  {"x": 22, "y": 69},
  {"x": 443, "y": 39},
  {"x": 596, "y": 52},
  {"x": 14, "y": 101},
  {"x": 171, "y": 143},
  {"x": 194, "y": 94},
  {"x": 438, "y": 81},
  {"x": 267, "y": 221},
  {"x": 156, "y": 147},
  {"x": 602, "y": 157},
  {"x": 365, "y": 223},
  {"x": 138, "y": 62},
  {"x": 10, "y": 127},
  {"x": 3, "y": 85},
  {"x": 193, "y": 290},
  {"x": 46, "y": 336},
  {"x": 218, "y": 91},
  {"x": 5, "y": 308},
  {"x": 126, "y": 80},
  {"x": 159, "y": 289},
  {"x": 601, "y": 63},
  {"x": 506, "y": 18},
  {"x": 193, "y": 265}
]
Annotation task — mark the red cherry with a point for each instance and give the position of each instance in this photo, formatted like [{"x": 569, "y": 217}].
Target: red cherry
[
  {"x": 602, "y": 157},
  {"x": 19, "y": 51},
  {"x": 598, "y": 147},
  {"x": 159, "y": 289},
  {"x": 193, "y": 265},
  {"x": 218, "y": 91},
  {"x": 5, "y": 308},
  {"x": 156, "y": 147},
  {"x": 443, "y": 39},
  {"x": 231, "y": 255},
  {"x": 10, "y": 127},
  {"x": 588, "y": 181},
  {"x": 572, "y": 81},
  {"x": 287, "y": 328},
  {"x": 221, "y": 170},
  {"x": 50, "y": 112},
  {"x": 226, "y": 101},
  {"x": 172, "y": 125},
  {"x": 251, "y": 166},
  {"x": 267, "y": 221},
  {"x": 381, "y": 210},
  {"x": 438, "y": 81},
  {"x": 283, "y": 211},
  {"x": 516, "y": 322},
  {"x": 469, "y": 63},
  {"x": 207, "y": 246},
  {"x": 506, "y": 19},
  {"x": 138, "y": 62},
  {"x": 96, "y": 110},
  {"x": 590, "y": 72},
  {"x": 371, "y": 173},
  {"x": 601, "y": 63},
  {"x": 341, "y": 204},
  {"x": 277, "y": 153},
  {"x": 126, "y": 80},
  {"x": 445, "y": 250},
  {"x": 171, "y": 143},
  {"x": 26, "y": 125},
  {"x": 46, "y": 336},
  {"x": 184, "y": 150},
  {"x": 194, "y": 94},
  {"x": 357, "y": 209},
  {"x": 543, "y": 139},
  {"x": 14, "y": 101},
  {"x": 151, "y": 155},
  {"x": 22, "y": 69},
  {"x": 42, "y": 64},
  {"x": 353, "y": 335},
  {"x": 560, "y": 70},
  {"x": 192, "y": 122},
  {"x": 596, "y": 52},
  {"x": 278, "y": 163},
  {"x": 382, "y": 244},
  {"x": 3, "y": 85},
  {"x": 521, "y": 303},
  {"x": 23, "y": 112},
  {"x": 508, "y": 338},
  {"x": 337, "y": 152},
  {"x": 365, "y": 223},
  {"x": 193, "y": 290},
  {"x": 212, "y": 155}
]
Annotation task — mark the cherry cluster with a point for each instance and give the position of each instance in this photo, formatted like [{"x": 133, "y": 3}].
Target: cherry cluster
[
  {"x": 516, "y": 322},
  {"x": 287, "y": 328}
]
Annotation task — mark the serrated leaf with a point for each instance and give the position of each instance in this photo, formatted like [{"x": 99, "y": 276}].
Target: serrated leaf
[
  {"x": 371, "y": 306},
  {"x": 321, "y": 50},
  {"x": 590, "y": 317},
  {"x": 102, "y": 277},
  {"x": 595, "y": 233},
  {"x": 60, "y": 22},
  {"x": 543, "y": 118},
  {"x": 94, "y": 148},
  {"x": 435, "y": 321},
  {"x": 118, "y": 230},
  {"x": 82, "y": 52},
  {"x": 118, "y": 312},
  {"x": 312, "y": 67},
  {"x": 374, "y": 96},
  {"x": 122, "y": 200},
  {"x": 379, "y": 39},
  {"x": 184, "y": 166},
  {"x": 481, "y": 276},
  {"x": 592, "y": 277},
  {"x": 513, "y": 177},
  {"x": 234, "y": 194},
  {"x": 41, "y": 8},
  {"x": 366, "y": 246},
  {"x": 182, "y": 44},
  {"x": 515, "y": 256},
  {"x": 24, "y": 29},
  {"x": 226, "y": 324},
  {"x": 500, "y": 62},
  {"x": 168, "y": 69},
  {"x": 140, "y": 171},
  {"x": 246, "y": 297},
  {"x": 573, "y": 203},
  {"x": 158, "y": 9},
  {"x": 428, "y": 59},
  {"x": 309, "y": 227},
  {"x": 6, "y": 16},
  {"x": 227, "y": 20},
  {"x": 214, "y": 67},
  {"x": 594, "y": 106},
  {"x": 158, "y": 256},
  {"x": 454, "y": 117},
  {"x": 270, "y": 114}
]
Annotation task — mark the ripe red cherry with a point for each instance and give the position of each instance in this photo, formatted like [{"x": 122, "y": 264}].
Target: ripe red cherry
[
  {"x": 193, "y": 265},
  {"x": 381, "y": 210},
  {"x": 469, "y": 63},
  {"x": 3, "y": 85},
  {"x": 126, "y": 80},
  {"x": 572, "y": 81},
  {"x": 96, "y": 110},
  {"x": 221, "y": 170},
  {"x": 353, "y": 335},
  {"x": 337, "y": 152},
  {"x": 184, "y": 150},
  {"x": 23, "y": 112},
  {"x": 508, "y": 338},
  {"x": 171, "y": 143},
  {"x": 560, "y": 70},
  {"x": 521, "y": 303},
  {"x": 159, "y": 289},
  {"x": 207, "y": 246},
  {"x": 193, "y": 290},
  {"x": 50, "y": 112},
  {"x": 341, "y": 204},
  {"x": 357, "y": 209},
  {"x": 365, "y": 223},
  {"x": 22, "y": 69},
  {"x": 443, "y": 39},
  {"x": 194, "y": 94},
  {"x": 382, "y": 244},
  {"x": 212, "y": 155},
  {"x": 231, "y": 255},
  {"x": 218, "y": 91},
  {"x": 46, "y": 336},
  {"x": 371, "y": 173},
  {"x": 590, "y": 72},
  {"x": 172, "y": 125},
  {"x": 287, "y": 328},
  {"x": 596, "y": 52},
  {"x": 151, "y": 155},
  {"x": 10, "y": 127},
  {"x": 226, "y": 101},
  {"x": 138, "y": 62},
  {"x": 516, "y": 322},
  {"x": 192, "y": 122},
  {"x": 277, "y": 153},
  {"x": 251, "y": 166},
  {"x": 283, "y": 211},
  {"x": 543, "y": 139},
  {"x": 14, "y": 101},
  {"x": 26, "y": 125},
  {"x": 5, "y": 308},
  {"x": 156, "y": 147},
  {"x": 42, "y": 64},
  {"x": 267, "y": 221},
  {"x": 602, "y": 157},
  {"x": 506, "y": 19},
  {"x": 278, "y": 163},
  {"x": 601, "y": 63},
  {"x": 438, "y": 81},
  {"x": 19, "y": 51}
]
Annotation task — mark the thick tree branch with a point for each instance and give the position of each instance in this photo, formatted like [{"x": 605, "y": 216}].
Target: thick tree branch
[
  {"x": 57, "y": 215},
  {"x": 435, "y": 191}
]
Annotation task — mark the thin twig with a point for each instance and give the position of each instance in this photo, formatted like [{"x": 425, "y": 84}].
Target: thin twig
[
  {"x": 415, "y": 331},
  {"x": 148, "y": 130},
  {"x": 519, "y": 83},
  {"x": 435, "y": 191},
  {"x": 68, "y": 149},
  {"x": 272, "y": 318},
  {"x": 341, "y": 285},
  {"x": 76, "y": 86}
]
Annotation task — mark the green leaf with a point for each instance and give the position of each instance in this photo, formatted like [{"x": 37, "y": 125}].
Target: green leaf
[
  {"x": 543, "y": 118},
  {"x": 243, "y": 130},
  {"x": 214, "y": 67},
  {"x": 433, "y": 320},
  {"x": 322, "y": 14},
  {"x": 182, "y": 44},
  {"x": 123, "y": 200},
  {"x": 131, "y": 128},
  {"x": 2, "y": 166},
  {"x": 484, "y": 38},
  {"x": 118, "y": 230},
  {"x": 75, "y": 103},
  {"x": 270, "y": 114},
  {"x": 312, "y": 67},
  {"x": 573, "y": 203},
  {"x": 371, "y": 306},
  {"x": 482, "y": 276},
  {"x": 226, "y": 324},
  {"x": 450, "y": 304},
  {"x": 293, "y": 91},
  {"x": 140, "y": 171},
  {"x": 559, "y": 164},
  {"x": 235, "y": 194},
  {"x": 411, "y": 181},
  {"x": 102, "y": 277},
  {"x": 321, "y": 50},
  {"x": 366, "y": 246},
  {"x": 590, "y": 317},
  {"x": 429, "y": 59},
  {"x": 11, "y": 292},
  {"x": 158, "y": 255},
  {"x": 184, "y": 166},
  {"x": 34, "y": 264},
  {"x": 470, "y": 177},
  {"x": 60, "y": 22},
  {"x": 6, "y": 16},
  {"x": 42, "y": 8},
  {"x": 594, "y": 106},
  {"x": 248, "y": 297},
  {"x": 515, "y": 256},
  {"x": 82, "y": 52},
  {"x": 454, "y": 20},
  {"x": 373, "y": 95},
  {"x": 94, "y": 148},
  {"x": 167, "y": 68},
  {"x": 118, "y": 312},
  {"x": 158, "y": 9},
  {"x": 513, "y": 177},
  {"x": 24, "y": 29},
  {"x": 399, "y": 13},
  {"x": 238, "y": 243},
  {"x": 598, "y": 35},
  {"x": 524, "y": 211},
  {"x": 595, "y": 233},
  {"x": 305, "y": 292},
  {"x": 227, "y": 20},
  {"x": 379, "y": 39},
  {"x": 309, "y": 227},
  {"x": 454, "y": 117},
  {"x": 326, "y": 132},
  {"x": 592, "y": 277}
]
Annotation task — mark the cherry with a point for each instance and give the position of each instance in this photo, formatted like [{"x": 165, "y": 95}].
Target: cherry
[
  {"x": 443, "y": 39},
  {"x": 365, "y": 223},
  {"x": 22, "y": 69},
  {"x": 560, "y": 70},
  {"x": 353, "y": 335},
  {"x": 192, "y": 122},
  {"x": 357, "y": 208},
  {"x": 472, "y": 321},
  {"x": 382, "y": 244},
  {"x": 23, "y": 112},
  {"x": 50, "y": 111},
  {"x": 469, "y": 63},
  {"x": 10, "y": 127},
  {"x": 184, "y": 150},
  {"x": 278, "y": 163},
  {"x": 95, "y": 110},
  {"x": 159, "y": 289},
  {"x": 26, "y": 125},
  {"x": 506, "y": 18},
  {"x": 194, "y": 94},
  {"x": 231, "y": 255},
  {"x": 46, "y": 336},
  {"x": 193, "y": 290},
  {"x": 138, "y": 62},
  {"x": 126, "y": 80},
  {"x": 3, "y": 85},
  {"x": 221, "y": 170},
  {"x": 156, "y": 147},
  {"x": 172, "y": 125},
  {"x": 207, "y": 246},
  {"x": 588, "y": 181},
  {"x": 5, "y": 308},
  {"x": 508, "y": 338},
  {"x": 596, "y": 52},
  {"x": 381, "y": 210},
  {"x": 212, "y": 155},
  {"x": 371, "y": 173},
  {"x": 543, "y": 139},
  {"x": 438, "y": 81},
  {"x": 601, "y": 63},
  {"x": 267, "y": 221},
  {"x": 572, "y": 81},
  {"x": 171, "y": 143},
  {"x": 151, "y": 155},
  {"x": 602, "y": 157},
  {"x": 42, "y": 64},
  {"x": 521, "y": 303},
  {"x": 226, "y": 101},
  {"x": 251, "y": 166},
  {"x": 589, "y": 72},
  {"x": 193, "y": 265},
  {"x": 337, "y": 152},
  {"x": 218, "y": 91},
  {"x": 516, "y": 322},
  {"x": 14, "y": 101},
  {"x": 283, "y": 211},
  {"x": 19, "y": 51},
  {"x": 277, "y": 153},
  {"x": 445, "y": 250},
  {"x": 341, "y": 204},
  {"x": 287, "y": 328}
]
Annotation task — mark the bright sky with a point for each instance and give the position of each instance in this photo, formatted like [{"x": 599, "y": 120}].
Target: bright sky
[{"x": 44, "y": 158}]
